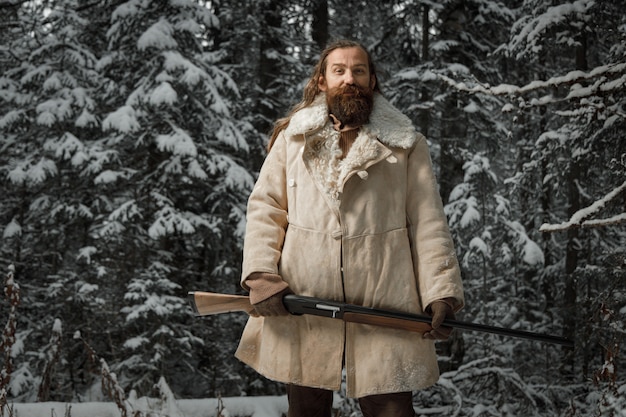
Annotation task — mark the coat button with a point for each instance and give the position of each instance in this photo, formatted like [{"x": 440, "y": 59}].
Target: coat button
[
  {"x": 392, "y": 159},
  {"x": 363, "y": 174},
  {"x": 337, "y": 234},
  {"x": 291, "y": 182}
]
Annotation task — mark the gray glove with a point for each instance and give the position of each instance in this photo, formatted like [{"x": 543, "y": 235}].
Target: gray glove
[
  {"x": 440, "y": 310},
  {"x": 267, "y": 292},
  {"x": 273, "y": 306}
]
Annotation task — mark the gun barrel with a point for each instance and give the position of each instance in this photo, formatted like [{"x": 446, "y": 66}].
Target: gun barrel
[{"x": 411, "y": 322}]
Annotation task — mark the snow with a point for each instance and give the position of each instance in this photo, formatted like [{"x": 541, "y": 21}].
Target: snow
[
  {"x": 472, "y": 107},
  {"x": 444, "y": 45},
  {"x": 128, "y": 211},
  {"x": 531, "y": 33},
  {"x": 124, "y": 120},
  {"x": 88, "y": 288},
  {"x": 471, "y": 214},
  {"x": 107, "y": 176},
  {"x": 158, "y": 36},
  {"x": 57, "y": 327},
  {"x": 52, "y": 83},
  {"x": 65, "y": 147},
  {"x": 459, "y": 191},
  {"x": 507, "y": 108},
  {"x": 531, "y": 253},
  {"x": 175, "y": 61},
  {"x": 125, "y": 10},
  {"x": 39, "y": 172},
  {"x": 412, "y": 74},
  {"x": 178, "y": 142},
  {"x": 169, "y": 221},
  {"x": 479, "y": 245},
  {"x": 163, "y": 94},
  {"x": 136, "y": 342},
  {"x": 12, "y": 229},
  {"x": 232, "y": 406},
  {"x": 10, "y": 118},
  {"x": 52, "y": 110},
  {"x": 86, "y": 252},
  {"x": 195, "y": 170},
  {"x": 569, "y": 78}
]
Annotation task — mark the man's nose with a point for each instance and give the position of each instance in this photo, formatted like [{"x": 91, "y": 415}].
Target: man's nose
[{"x": 348, "y": 78}]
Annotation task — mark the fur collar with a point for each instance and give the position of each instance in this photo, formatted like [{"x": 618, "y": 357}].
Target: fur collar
[{"x": 390, "y": 126}]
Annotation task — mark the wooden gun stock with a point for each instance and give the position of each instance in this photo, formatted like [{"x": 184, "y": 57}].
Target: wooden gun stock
[{"x": 207, "y": 303}]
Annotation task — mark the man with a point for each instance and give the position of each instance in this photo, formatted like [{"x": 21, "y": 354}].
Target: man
[{"x": 346, "y": 208}]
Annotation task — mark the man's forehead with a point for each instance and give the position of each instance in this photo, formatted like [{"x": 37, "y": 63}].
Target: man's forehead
[{"x": 353, "y": 55}]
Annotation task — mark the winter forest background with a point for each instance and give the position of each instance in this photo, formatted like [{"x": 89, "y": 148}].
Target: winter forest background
[{"x": 131, "y": 133}]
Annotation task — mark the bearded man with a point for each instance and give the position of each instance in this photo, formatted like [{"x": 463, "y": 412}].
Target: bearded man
[{"x": 346, "y": 208}]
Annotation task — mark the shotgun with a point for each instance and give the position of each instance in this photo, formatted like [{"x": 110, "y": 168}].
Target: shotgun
[{"x": 208, "y": 303}]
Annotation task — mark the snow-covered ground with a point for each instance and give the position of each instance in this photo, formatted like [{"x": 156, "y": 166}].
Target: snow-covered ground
[{"x": 230, "y": 407}]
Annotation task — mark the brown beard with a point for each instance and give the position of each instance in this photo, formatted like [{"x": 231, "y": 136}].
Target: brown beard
[{"x": 353, "y": 109}]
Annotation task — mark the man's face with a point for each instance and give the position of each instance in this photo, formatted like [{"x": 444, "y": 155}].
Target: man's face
[
  {"x": 348, "y": 85},
  {"x": 347, "y": 66}
]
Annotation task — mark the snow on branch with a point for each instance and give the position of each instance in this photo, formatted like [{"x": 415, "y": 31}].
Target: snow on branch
[
  {"x": 571, "y": 77},
  {"x": 579, "y": 219}
]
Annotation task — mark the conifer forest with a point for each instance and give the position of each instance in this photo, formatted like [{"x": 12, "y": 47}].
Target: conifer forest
[{"x": 131, "y": 133}]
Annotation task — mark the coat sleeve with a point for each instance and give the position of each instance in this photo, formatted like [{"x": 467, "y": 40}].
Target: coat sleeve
[
  {"x": 266, "y": 215},
  {"x": 434, "y": 259}
]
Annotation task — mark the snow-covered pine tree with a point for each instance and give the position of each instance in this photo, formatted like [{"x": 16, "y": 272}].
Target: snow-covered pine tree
[
  {"x": 564, "y": 124},
  {"x": 571, "y": 65},
  {"x": 499, "y": 260},
  {"x": 457, "y": 43},
  {"x": 8, "y": 339},
  {"x": 49, "y": 136},
  {"x": 176, "y": 188},
  {"x": 265, "y": 48}
]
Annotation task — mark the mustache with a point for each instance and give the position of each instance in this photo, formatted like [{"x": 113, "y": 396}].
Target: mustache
[{"x": 351, "y": 90}]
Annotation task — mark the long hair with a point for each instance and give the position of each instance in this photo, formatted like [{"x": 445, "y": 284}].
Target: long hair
[{"x": 311, "y": 90}]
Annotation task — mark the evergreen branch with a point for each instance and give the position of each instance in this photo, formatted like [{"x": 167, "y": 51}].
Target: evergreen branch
[
  {"x": 570, "y": 78},
  {"x": 579, "y": 219}
]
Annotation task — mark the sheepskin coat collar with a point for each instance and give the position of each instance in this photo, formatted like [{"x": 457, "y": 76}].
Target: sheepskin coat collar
[
  {"x": 387, "y": 128},
  {"x": 387, "y": 124}
]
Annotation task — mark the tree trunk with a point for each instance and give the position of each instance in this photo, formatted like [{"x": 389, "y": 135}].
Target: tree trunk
[
  {"x": 269, "y": 65},
  {"x": 424, "y": 117},
  {"x": 573, "y": 194},
  {"x": 320, "y": 23}
]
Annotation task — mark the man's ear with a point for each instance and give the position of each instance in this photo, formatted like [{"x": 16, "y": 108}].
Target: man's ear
[
  {"x": 372, "y": 82},
  {"x": 321, "y": 83}
]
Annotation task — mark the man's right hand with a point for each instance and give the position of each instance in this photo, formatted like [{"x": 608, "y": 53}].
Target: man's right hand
[
  {"x": 273, "y": 306},
  {"x": 267, "y": 292}
]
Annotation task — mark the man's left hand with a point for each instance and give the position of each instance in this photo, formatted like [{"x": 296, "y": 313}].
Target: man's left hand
[{"x": 440, "y": 310}]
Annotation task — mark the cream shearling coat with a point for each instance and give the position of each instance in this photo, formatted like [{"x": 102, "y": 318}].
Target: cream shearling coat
[{"x": 368, "y": 230}]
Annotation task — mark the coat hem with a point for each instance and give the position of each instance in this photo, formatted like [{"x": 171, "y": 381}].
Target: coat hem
[{"x": 275, "y": 378}]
